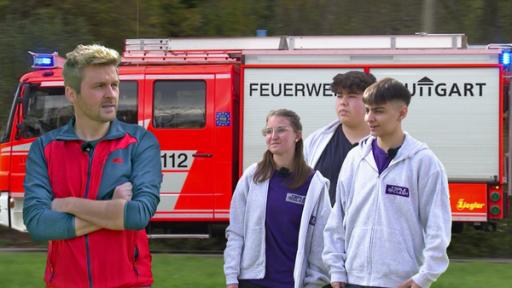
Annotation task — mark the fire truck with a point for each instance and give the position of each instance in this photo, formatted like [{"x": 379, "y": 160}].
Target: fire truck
[{"x": 206, "y": 100}]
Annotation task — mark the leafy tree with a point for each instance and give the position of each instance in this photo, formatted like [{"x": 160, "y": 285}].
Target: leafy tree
[{"x": 46, "y": 25}]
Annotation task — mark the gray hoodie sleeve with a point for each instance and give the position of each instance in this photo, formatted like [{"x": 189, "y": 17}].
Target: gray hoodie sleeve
[
  {"x": 435, "y": 216},
  {"x": 316, "y": 272},
  {"x": 235, "y": 230},
  {"x": 334, "y": 254}
]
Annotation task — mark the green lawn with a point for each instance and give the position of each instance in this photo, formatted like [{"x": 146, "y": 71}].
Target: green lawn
[{"x": 26, "y": 270}]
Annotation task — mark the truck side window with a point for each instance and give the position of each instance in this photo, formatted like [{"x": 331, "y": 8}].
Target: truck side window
[
  {"x": 179, "y": 104},
  {"x": 47, "y": 109},
  {"x": 127, "y": 109}
]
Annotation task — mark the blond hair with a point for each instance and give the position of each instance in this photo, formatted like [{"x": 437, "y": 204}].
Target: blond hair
[{"x": 83, "y": 56}]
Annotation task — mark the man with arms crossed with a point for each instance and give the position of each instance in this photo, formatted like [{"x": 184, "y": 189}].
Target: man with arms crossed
[
  {"x": 93, "y": 184},
  {"x": 326, "y": 148},
  {"x": 391, "y": 223}
]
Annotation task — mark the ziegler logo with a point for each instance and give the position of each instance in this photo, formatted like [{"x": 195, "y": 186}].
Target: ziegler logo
[
  {"x": 426, "y": 87},
  {"x": 462, "y": 205}
]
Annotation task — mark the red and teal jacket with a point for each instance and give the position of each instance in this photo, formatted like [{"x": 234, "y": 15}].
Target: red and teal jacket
[{"x": 59, "y": 166}]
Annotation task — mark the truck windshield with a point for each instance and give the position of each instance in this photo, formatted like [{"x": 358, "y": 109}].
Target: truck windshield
[{"x": 47, "y": 108}]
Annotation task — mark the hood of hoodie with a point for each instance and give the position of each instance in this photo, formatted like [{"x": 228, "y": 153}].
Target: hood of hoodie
[{"x": 409, "y": 147}]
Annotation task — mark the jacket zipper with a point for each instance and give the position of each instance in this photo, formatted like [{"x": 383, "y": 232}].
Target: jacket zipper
[
  {"x": 309, "y": 235},
  {"x": 379, "y": 189},
  {"x": 372, "y": 231},
  {"x": 87, "y": 253}
]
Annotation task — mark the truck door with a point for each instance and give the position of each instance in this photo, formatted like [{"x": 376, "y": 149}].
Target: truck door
[
  {"x": 5, "y": 161},
  {"x": 180, "y": 113}
]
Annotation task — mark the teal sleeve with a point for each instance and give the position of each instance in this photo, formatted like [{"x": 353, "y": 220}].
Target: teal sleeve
[
  {"x": 146, "y": 180},
  {"x": 43, "y": 223}
]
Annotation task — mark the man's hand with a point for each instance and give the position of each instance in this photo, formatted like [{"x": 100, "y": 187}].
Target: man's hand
[
  {"x": 232, "y": 286},
  {"x": 409, "y": 284},
  {"x": 107, "y": 214},
  {"x": 337, "y": 285},
  {"x": 123, "y": 191}
]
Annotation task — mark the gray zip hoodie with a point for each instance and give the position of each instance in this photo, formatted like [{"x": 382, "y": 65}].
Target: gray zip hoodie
[
  {"x": 244, "y": 256},
  {"x": 387, "y": 228},
  {"x": 315, "y": 144}
]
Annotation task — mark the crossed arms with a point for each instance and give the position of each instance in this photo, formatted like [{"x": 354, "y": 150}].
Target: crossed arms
[
  {"x": 92, "y": 215},
  {"x": 47, "y": 218}
]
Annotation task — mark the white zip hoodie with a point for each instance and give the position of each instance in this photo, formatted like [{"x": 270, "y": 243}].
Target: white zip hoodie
[
  {"x": 316, "y": 142},
  {"x": 244, "y": 256},
  {"x": 387, "y": 228}
]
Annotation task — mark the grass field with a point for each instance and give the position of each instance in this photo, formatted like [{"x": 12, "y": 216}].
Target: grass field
[{"x": 26, "y": 270}]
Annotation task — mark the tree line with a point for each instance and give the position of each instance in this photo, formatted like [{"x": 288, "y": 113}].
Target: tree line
[{"x": 48, "y": 26}]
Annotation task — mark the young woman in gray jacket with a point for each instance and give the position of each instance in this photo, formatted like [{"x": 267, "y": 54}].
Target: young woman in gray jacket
[{"x": 278, "y": 213}]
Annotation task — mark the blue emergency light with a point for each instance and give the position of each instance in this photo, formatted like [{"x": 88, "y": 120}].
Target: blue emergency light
[
  {"x": 43, "y": 60},
  {"x": 505, "y": 58}
]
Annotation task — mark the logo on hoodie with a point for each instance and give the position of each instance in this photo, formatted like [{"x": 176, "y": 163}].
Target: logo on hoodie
[
  {"x": 397, "y": 190},
  {"x": 294, "y": 198}
]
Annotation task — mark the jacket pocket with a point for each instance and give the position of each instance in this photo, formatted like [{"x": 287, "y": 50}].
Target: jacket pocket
[
  {"x": 357, "y": 250},
  {"x": 135, "y": 258},
  {"x": 142, "y": 259},
  {"x": 393, "y": 254},
  {"x": 252, "y": 248}
]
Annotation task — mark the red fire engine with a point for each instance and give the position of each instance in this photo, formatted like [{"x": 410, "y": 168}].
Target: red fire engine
[{"x": 206, "y": 101}]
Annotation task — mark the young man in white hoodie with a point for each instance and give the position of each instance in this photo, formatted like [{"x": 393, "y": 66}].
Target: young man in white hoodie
[{"x": 391, "y": 223}]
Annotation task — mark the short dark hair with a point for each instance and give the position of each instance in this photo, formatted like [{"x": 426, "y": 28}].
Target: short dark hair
[
  {"x": 386, "y": 90},
  {"x": 352, "y": 81}
]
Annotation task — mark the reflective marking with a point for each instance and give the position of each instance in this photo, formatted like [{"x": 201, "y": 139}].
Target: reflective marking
[
  {"x": 144, "y": 123},
  {"x": 468, "y": 216},
  {"x": 469, "y": 213},
  {"x": 17, "y": 153},
  {"x": 223, "y": 76},
  {"x": 52, "y": 83},
  {"x": 184, "y": 215},
  {"x": 193, "y": 210},
  {"x": 221, "y": 215},
  {"x": 22, "y": 147},
  {"x": 131, "y": 77},
  {"x": 167, "y": 202},
  {"x": 180, "y": 76},
  {"x": 173, "y": 181}
]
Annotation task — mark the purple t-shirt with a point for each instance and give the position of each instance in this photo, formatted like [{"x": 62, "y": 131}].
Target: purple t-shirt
[
  {"x": 283, "y": 214},
  {"x": 382, "y": 159}
]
